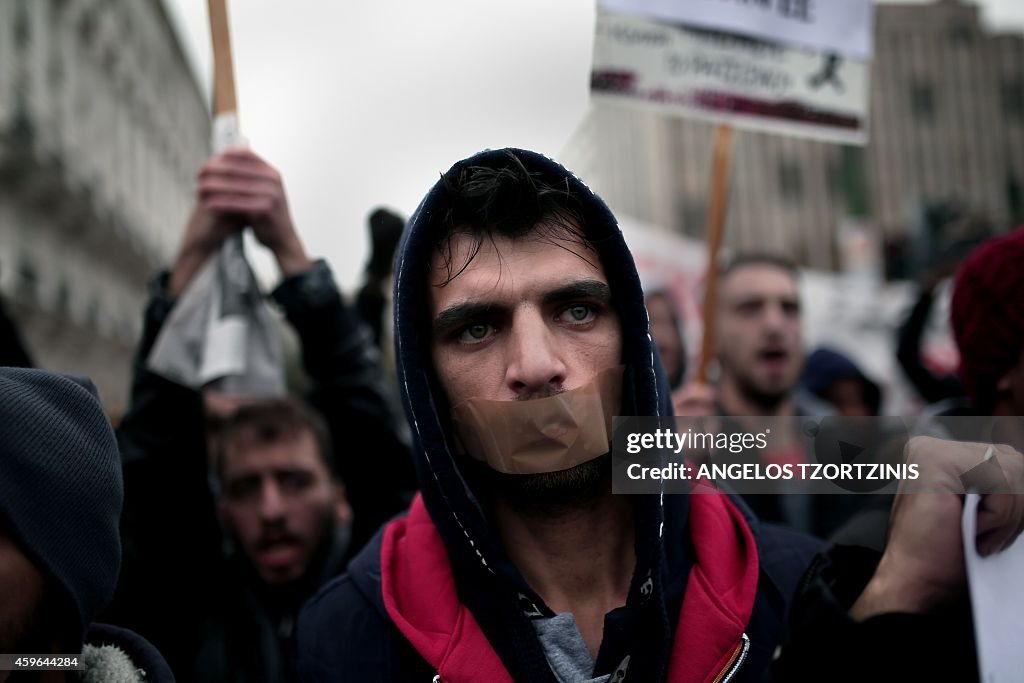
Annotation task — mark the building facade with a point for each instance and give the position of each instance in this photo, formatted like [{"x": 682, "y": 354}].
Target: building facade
[
  {"x": 947, "y": 126},
  {"x": 102, "y": 128}
]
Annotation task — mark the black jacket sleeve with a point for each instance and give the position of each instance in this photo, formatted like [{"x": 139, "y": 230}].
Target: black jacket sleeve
[
  {"x": 348, "y": 389},
  {"x": 371, "y": 304},
  {"x": 825, "y": 643},
  {"x": 908, "y": 352},
  {"x": 171, "y": 540}
]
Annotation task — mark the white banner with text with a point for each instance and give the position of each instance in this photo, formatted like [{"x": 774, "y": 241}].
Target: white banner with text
[
  {"x": 841, "y": 26},
  {"x": 727, "y": 78}
]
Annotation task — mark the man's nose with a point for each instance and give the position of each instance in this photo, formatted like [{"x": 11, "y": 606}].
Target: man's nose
[
  {"x": 774, "y": 317},
  {"x": 272, "y": 505},
  {"x": 535, "y": 365}
]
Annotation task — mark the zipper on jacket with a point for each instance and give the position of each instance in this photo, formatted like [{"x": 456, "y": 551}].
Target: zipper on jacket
[{"x": 739, "y": 655}]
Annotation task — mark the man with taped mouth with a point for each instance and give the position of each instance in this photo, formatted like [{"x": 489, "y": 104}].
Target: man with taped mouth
[{"x": 520, "y": 329}]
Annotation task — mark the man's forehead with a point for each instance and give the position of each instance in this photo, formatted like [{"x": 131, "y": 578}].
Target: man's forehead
[
  {"x": 499, "y": 267},
  {"x": 759, "y": 280},
  {"x": 291, "y": 450}
]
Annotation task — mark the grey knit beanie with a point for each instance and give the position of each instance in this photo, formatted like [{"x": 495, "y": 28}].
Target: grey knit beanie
[{"x": 60, "y": 483}]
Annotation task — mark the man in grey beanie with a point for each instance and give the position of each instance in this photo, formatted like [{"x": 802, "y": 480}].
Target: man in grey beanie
[{"x": 60, "y": 548}]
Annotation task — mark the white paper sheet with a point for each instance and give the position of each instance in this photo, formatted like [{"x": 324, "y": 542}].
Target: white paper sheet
[{"x": 997, "y": 599}]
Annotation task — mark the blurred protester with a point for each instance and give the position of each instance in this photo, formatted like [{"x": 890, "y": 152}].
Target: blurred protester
[
  {"x": 759, "y": 338},
  {"x": 516, "y": 292},
  {"x": 372, "y": 298},
  {"x": 690, "y": 399},
  {"x": 13, "y": 353},
  {"x": 987, "y": 315},
  {"x": 227, "y": 613},
  {"x": 759, "y": 346},
  {"x": 60, "y": 549},
  {"x": 931, "y": 387},
  {"x": 667, "y": 329},
  {"x": 834, "y": 378}
]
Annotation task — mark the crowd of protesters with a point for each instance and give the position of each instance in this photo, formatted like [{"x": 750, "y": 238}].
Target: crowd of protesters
[{"x": 326, "y": 537}]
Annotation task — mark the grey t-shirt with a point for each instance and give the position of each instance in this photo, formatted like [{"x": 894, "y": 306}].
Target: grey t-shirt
[{"x": 566, "y": 652}]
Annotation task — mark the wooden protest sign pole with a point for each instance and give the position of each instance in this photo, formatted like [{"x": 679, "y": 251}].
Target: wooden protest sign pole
[
  {"x": 224, "y": 99},
  {"x": 715, "y": 230}
]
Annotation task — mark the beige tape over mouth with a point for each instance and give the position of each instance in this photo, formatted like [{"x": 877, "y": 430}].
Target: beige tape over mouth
[{"x": 545, "y": 434}]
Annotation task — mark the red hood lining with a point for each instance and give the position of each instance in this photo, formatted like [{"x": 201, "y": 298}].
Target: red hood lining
[{"x": 420, "y": 596}]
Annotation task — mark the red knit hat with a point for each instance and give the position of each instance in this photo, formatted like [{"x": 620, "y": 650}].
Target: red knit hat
[{"x": 988, "y": 314}]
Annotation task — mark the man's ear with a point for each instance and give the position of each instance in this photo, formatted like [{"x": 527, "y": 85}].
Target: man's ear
[{"x": 342, "y": 509}]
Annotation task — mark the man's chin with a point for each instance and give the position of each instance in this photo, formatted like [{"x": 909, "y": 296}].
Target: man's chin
[
  {"x": 769, "y": 392},
  {"x": 574, "y": 487},
  {"x": 278, "y": 576},
  {"x": 279, "y": 567}
]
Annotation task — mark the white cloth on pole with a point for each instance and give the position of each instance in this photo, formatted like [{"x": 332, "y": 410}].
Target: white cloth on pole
[{"x": 220, "y": 334}]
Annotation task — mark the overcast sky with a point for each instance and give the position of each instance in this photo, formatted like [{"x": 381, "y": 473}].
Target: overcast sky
[{"x": 362, "y": 104}]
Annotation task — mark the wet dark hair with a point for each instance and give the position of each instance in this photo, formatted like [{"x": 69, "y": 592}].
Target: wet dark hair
[
  {"x": 755, "y": 258},
  {"x": 272, "y": 420},
  {"x": 506, "y": 200}
]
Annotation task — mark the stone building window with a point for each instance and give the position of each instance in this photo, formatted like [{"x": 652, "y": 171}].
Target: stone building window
[
  {"x": 92, "y": 315},
  {"x": 55, "y": 71},
  {"x": 63, "y": 301},
  {"x": 922, "y": 101},
  {"x": 28, "y": 279},
  {"x": 87, "y": 29},
  {"x": 1013, "y": 99},
  {"x": 961, "y": 34},
  {"x": 693, "y": 214},
  {"x": 109, "y": 59},
  {"x": 22, "y": 28},
  {"x": 835, "y": 176},
  {"x": 791, "y": 180}
]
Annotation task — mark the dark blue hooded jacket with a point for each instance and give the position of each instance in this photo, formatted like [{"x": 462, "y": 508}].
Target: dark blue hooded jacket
[
  {"x": 345, "y": 632},
  {"x": 825, "y": 366}
]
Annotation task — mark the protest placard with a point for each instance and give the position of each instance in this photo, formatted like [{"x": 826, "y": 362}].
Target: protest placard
[
  {"x": 844, "y": 27},
  {"x": 728, "y": 78}
]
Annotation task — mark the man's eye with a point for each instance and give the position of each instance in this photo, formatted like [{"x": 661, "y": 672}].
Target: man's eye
[
  {"x": 475, "y": 333},
  {"x": 577, "y": 313},
  {"x": 748, "y": 307},
  {"x": 243, "y": 489},
  {"x": 295, "y": 481}
]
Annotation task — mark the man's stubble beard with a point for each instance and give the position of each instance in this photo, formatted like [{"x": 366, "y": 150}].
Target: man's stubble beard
[
  {"x": 768, "y": 401},
  {"x": 329, "y": 530},
  {"x": 544, "y": 495}
]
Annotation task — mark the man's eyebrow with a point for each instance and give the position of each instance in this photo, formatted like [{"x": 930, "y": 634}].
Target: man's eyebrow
[
  {"x": 759, "y": 298},
  {"x": 458, "y": 315},
  {"x": 580, "y": 289}
]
